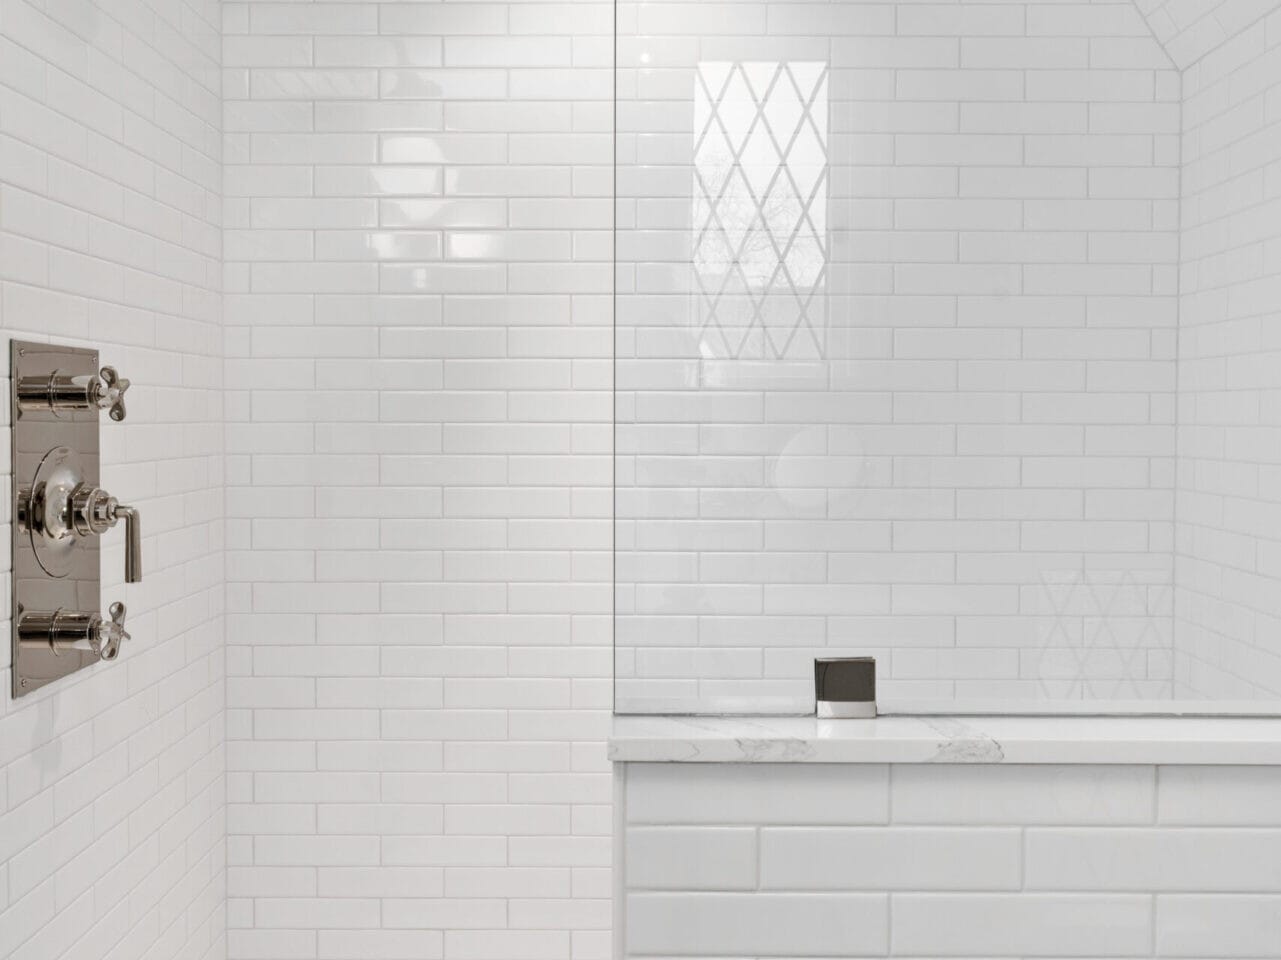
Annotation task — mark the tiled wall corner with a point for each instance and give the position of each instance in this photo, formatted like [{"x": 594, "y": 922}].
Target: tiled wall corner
[
  {"x": 1228, "y": 542},
  {"x": 419, "y": 352},
  {"x": 1190, "y": 29},
  {"x": 112, "y": 787},
  {"x": 948, "y": 861}
]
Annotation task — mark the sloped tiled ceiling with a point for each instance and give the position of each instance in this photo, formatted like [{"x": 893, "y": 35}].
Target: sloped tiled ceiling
[{"x": 1189, "y": 29}]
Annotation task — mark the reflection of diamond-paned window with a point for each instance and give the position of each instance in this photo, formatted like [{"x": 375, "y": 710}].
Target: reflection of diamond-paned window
[{"x": 760, "y": 209}]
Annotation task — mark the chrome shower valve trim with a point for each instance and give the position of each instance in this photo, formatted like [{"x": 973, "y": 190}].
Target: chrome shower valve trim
[
  {"x": 94, "y": 512},
  {"x": 60, "y": 391},
  {"x": 61, "y": 511},
  {"x": 63, "y": 631}
]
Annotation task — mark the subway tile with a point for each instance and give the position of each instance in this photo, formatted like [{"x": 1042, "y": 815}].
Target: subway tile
[
  {"x": 1022, "y": 795},
  {"x": 1217, "y": 796},
  {"x": 1028, "y": 925},
  {"x": 674, "y": 794},
  {"x": 690, "y": 858},
  {"x": 773, "y": 924},
  {"x": 875, "y": 858},
  {"x": 1156, "y": 860},
  {"x": 1230, "y": 925}
]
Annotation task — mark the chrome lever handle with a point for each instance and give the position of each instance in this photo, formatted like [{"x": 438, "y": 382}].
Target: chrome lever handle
[
  {"x": 133, "y": 541},
  {"x": 94, "y": 511}
]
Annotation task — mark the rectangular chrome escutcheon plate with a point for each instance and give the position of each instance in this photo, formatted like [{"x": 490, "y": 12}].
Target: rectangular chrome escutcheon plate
[
  {"x": 59, "y": 512},
  {"x": 63, "y": 575}
]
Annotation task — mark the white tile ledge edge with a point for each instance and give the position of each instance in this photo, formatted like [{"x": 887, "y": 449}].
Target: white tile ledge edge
[{"x": 1249, "y": 741}]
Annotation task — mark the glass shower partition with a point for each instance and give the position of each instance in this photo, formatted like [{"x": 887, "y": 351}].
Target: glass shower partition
[{"x": 897, "y": 360}]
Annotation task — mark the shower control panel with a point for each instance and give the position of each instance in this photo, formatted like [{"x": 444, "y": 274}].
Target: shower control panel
[{"x": 60, "y": 513}]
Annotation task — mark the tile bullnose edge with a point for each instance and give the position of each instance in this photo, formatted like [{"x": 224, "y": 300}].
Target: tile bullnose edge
[{"x": 951, "y": 740}]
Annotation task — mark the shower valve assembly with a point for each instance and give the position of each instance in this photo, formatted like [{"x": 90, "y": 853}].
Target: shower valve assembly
[{"x": 60, "y": 513}]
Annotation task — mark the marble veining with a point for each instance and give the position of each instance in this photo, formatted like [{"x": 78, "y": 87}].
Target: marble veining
[{"x": 963, "y": 743}]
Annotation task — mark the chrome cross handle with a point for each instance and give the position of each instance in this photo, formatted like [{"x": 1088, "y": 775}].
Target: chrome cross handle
[
  {"x": 109, "y": 392},
  {"x": 111, "y": 633},
  {"x": 58, "y": 391},
  {"x": 64, "y": 630}
]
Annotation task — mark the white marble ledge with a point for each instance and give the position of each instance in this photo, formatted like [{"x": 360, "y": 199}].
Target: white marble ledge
[{"x": 1246, "y": 741}]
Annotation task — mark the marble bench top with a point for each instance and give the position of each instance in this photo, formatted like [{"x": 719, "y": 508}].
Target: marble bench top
[{"x": 939, "y": 739}]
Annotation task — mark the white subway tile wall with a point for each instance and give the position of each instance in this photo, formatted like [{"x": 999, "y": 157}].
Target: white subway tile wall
[
  {"x": 419, "y": 373},
  {"x": 1228, "y": 541},
  {"x": 917, "y": 861},
  {"x": 112, "y": 780},
  {"x": 961, "y": 457},
  {"x": 897, "y": 324}
]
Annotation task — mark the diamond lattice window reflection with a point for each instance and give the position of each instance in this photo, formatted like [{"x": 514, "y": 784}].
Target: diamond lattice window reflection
[{"x": 760, "y": 252}]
